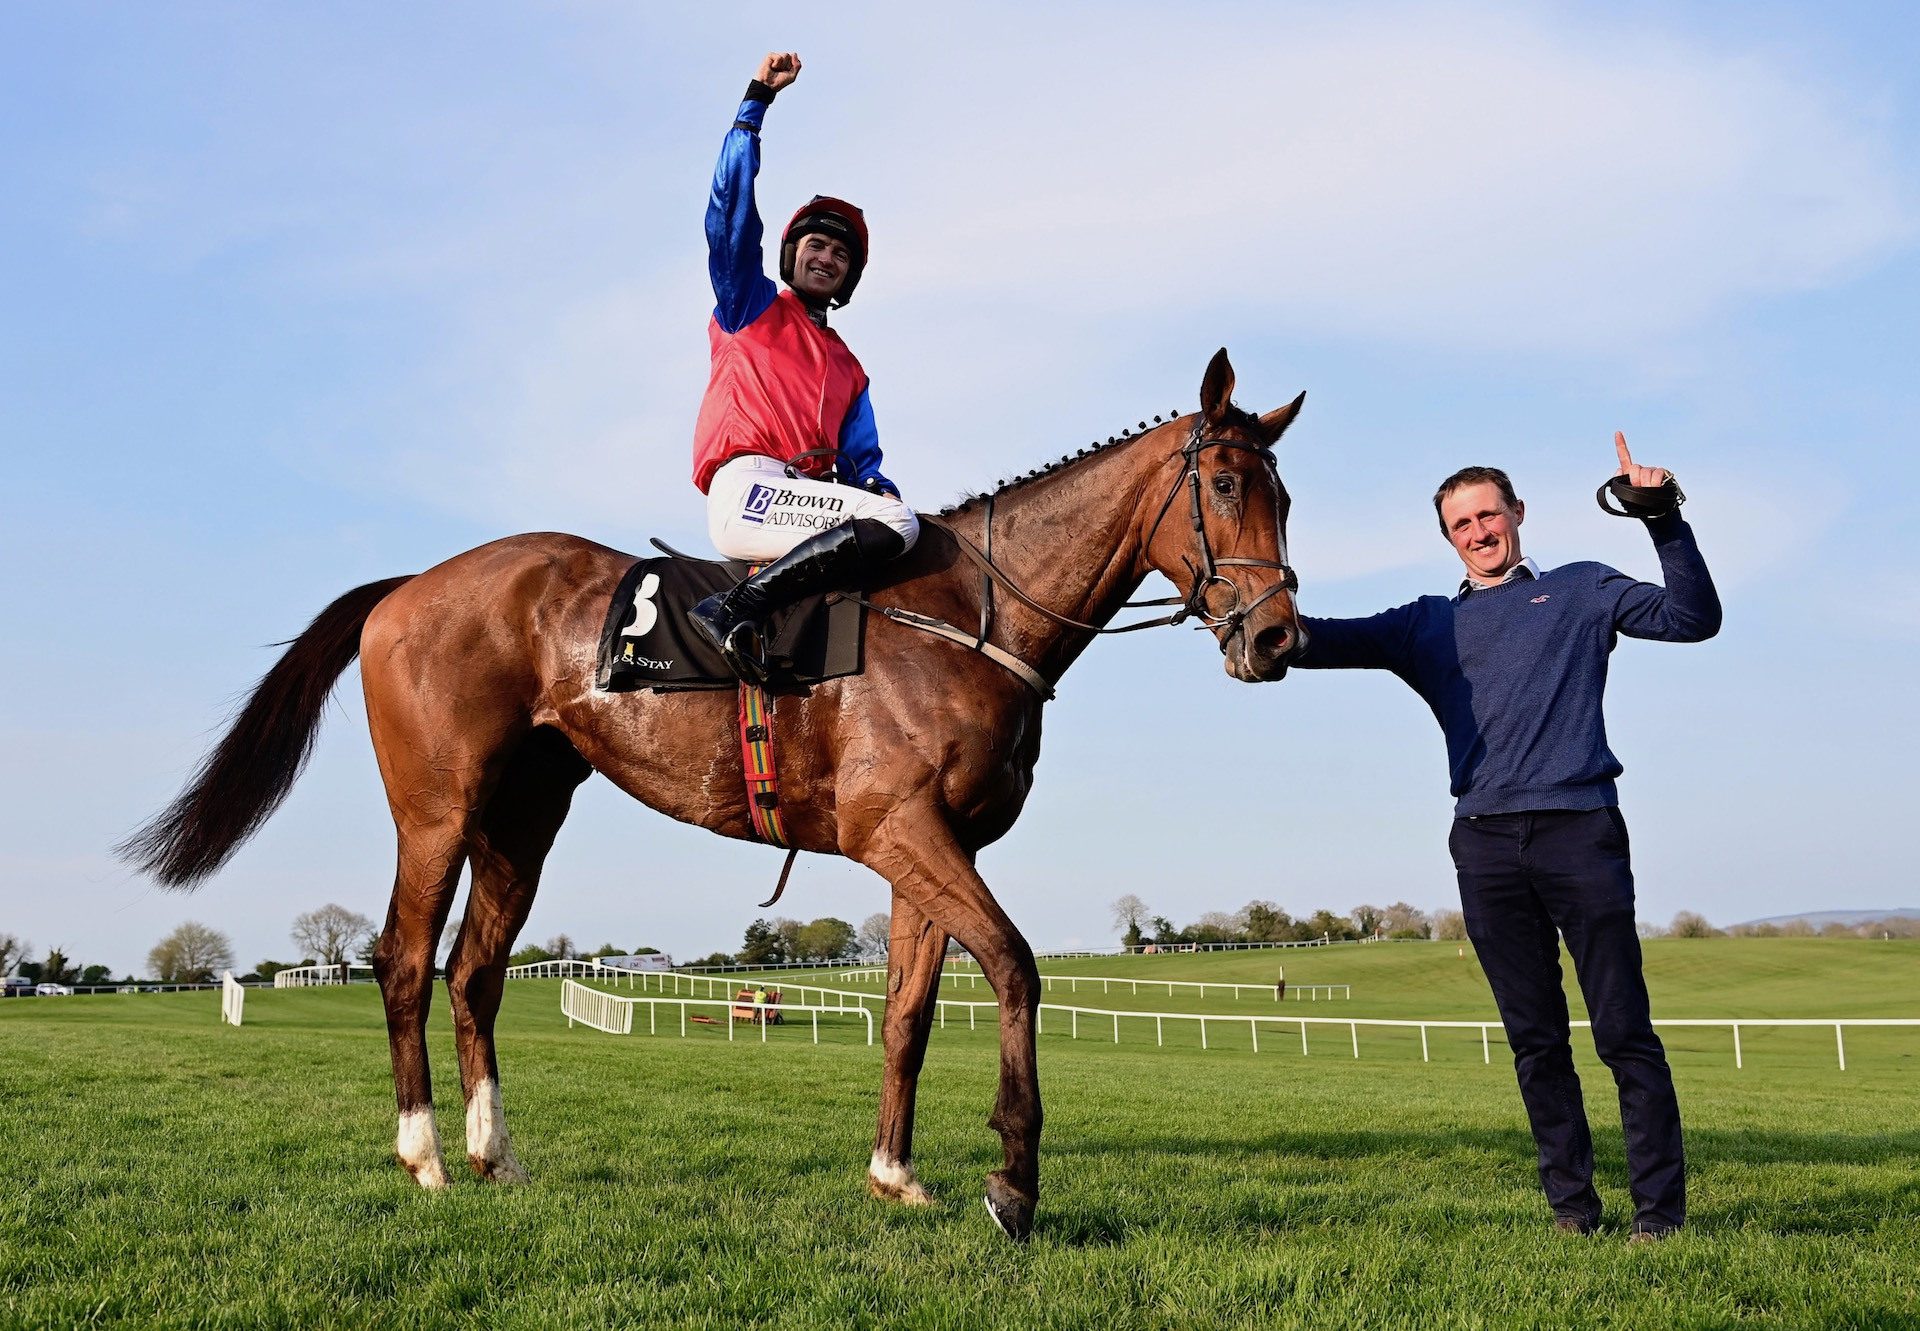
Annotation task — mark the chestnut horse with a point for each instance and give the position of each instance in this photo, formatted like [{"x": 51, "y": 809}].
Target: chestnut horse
[{"x": 479, "y": 678}]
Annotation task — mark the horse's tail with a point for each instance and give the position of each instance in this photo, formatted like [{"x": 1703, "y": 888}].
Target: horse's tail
[{"x": 249, "y": 772}]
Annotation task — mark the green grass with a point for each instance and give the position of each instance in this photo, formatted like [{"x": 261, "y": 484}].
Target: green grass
[{"x": 164, "y": 1170}]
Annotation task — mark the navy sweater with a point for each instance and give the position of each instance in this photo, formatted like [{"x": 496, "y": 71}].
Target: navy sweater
[{"x": 1515, "y": 673}]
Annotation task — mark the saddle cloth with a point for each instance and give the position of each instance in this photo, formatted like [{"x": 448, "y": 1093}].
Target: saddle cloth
[{"x": 648, "y": 642}]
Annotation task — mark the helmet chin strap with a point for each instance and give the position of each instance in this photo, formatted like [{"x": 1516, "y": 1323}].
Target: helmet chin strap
[{"x": 816, "y": 308}]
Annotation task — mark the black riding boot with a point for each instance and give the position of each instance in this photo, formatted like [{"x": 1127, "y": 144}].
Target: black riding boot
[{"x": 826, "y": 561}]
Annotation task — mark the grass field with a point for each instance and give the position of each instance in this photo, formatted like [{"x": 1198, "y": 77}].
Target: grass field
[{"x": 168, "y": 1171}]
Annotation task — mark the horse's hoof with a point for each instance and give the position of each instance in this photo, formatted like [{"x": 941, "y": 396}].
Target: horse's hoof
[
  {"x": 909, "y": 1193},
  {"x": 893, "y": 1181},
  {"x": 501, "y": 1170},
  {"x": 1010, "y": 1210},
  {"x": 429, "y": 1174}
]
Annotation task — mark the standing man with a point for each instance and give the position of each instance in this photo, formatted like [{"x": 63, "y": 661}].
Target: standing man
[{"x": 1514, "y": 665}]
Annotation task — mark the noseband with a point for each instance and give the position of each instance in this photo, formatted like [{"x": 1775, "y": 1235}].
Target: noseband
[{"x": 1206, "y": 574}]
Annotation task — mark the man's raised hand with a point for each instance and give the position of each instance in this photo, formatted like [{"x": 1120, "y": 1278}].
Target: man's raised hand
[
  {"x": 1646, "y": 478},
  {"x": 779, "y": 69}
]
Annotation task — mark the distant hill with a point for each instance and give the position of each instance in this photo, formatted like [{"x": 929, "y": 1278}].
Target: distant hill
[{"x": 1817, "y": 918}]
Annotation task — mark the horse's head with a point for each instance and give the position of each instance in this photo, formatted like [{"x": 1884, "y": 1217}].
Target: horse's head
[{"x": 1221, "y": 534}]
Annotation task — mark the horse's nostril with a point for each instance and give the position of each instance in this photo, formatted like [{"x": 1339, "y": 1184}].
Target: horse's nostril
[{"x": 1273, "y": 642}]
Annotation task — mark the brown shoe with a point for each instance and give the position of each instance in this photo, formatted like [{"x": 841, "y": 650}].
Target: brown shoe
[
  {"x": 1651, "y": 1235},
  {"x": 1569, "y": 1224}
]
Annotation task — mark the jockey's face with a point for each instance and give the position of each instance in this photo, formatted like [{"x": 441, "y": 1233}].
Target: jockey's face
[{"x": 820, "y": 265}]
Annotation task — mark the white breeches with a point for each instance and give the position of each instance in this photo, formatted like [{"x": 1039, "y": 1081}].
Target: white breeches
[{"x": 756, "y": 512}]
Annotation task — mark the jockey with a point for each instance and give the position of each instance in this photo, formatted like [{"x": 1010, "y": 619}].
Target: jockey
[{"x": 785, "y": 396}]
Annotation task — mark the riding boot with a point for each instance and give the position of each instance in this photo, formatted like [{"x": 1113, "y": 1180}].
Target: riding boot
[{"x": 826, "y": 561}]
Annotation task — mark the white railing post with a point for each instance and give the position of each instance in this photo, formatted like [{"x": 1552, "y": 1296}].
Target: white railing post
[
  {"x": 1737, "y": 1063},
  {"x": 1840, "y": 1042}
]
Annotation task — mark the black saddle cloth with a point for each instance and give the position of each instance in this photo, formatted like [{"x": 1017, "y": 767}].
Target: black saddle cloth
[{"x": 649, "y": 643}]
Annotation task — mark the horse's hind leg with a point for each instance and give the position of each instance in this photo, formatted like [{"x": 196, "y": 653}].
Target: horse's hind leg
[
  {"x": 430, "y": 858},
  {"x": 507, "y": 847},
  {"x": 915, "y": 954}
]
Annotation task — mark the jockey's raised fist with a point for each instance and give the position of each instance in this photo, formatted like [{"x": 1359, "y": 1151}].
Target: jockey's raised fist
[{"x": 779, "y": 69}]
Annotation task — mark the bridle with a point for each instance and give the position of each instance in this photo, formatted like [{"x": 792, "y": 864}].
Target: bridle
[{"x": 1206, "y": 573}]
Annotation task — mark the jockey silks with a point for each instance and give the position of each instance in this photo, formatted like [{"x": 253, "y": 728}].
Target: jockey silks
[{"x": 781, "y": 384}]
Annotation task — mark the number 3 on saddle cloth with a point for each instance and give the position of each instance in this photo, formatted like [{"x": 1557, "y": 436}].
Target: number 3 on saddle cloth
[{"x": 648, "y": 643}]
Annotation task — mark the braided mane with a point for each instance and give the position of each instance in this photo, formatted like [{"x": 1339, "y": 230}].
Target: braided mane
[{"x": 1235, "y": 416}]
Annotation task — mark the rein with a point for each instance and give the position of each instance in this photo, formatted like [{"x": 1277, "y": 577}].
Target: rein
[{"x": 1192, "y": 606}]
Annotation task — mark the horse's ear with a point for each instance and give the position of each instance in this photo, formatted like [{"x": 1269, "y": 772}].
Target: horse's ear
[
  {"x": 1216, "y": 390},
  {"x": 1275, "y": 423}
]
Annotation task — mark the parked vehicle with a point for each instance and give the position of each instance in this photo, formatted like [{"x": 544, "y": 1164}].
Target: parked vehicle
[
  {"x": 18, "y": 986},
  {"x": 54, "y": 990}
]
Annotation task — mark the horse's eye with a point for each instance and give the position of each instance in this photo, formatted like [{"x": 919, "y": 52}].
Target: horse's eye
[{"x": 1223, "y": 485}]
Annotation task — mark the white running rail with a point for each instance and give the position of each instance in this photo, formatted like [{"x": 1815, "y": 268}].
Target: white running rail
[
  {"x": 613, "y": 1013},
  {"x": 1109, "y": 1020},
  {"x": 1304, "y": 993},
  {"x": 300, "y": 977},
  {"x": 561, "y": 967},
  {"x": 233, "y": 999}
]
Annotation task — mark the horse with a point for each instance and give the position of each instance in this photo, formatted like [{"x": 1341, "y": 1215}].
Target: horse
[{"x": 480, "y": 674}]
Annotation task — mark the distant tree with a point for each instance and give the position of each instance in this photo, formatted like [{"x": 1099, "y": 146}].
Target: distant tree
[
  {"x": 266, "y": 970},
  {"x": 1449, "y": 925},
  {"x": 713, "y": 959},
  {"x": 1325, "y": 924},
  {"x": 96, "y": 974},
  {"x": 1216, "y": 926},
  {"x": 1403, "y": 921},
  {"x": 191, "y": 954},
  {"x": 1831, "y": 929},
  {"x": 1366, "y": 920},
  {"x": 58, "y": 968},
  {"x": 761, "y": 946},
  {"x": 1764, "y": 929},
  {"x": 12, "y": 952},
  {"x": 330, "y": 933},
  {"x": 1690, "y": 924},
  {"x": 529, "y": 954},
  {"x": 788, "y": 931},
  {"x": 28, "y": 970},
  {"x": 1128, "y": 913},
  {"x": 1894, "y": 926},
  {"x": 561, "y": 947},
  {"x": 876, "y": 935},
  {"x": 368, "y": 946},
  {"x": 1163, "y": 930},
  {"x": 1796, "y": 929},
  {"x": 1266, "y": 922},
  {"x": 827, "y": 939}
]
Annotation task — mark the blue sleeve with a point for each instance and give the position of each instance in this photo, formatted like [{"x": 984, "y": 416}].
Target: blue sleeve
[
  {"x": 860, "y": 446},
  {"x": 1687, "y": 609},
  {"x": 741, "y": 290},
  {"x": 1378, "y": 642}
]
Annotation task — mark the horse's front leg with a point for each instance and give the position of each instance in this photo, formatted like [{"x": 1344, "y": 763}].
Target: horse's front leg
[
  {"x": 914, "y": 849},
  {"x": 916, "y": 951}
]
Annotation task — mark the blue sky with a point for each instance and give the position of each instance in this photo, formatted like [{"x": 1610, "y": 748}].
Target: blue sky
[{"x": 297, "y": 298}]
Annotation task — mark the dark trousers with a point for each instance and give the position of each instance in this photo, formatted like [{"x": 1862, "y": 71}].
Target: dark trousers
[{"x": 1524, "y": 877}]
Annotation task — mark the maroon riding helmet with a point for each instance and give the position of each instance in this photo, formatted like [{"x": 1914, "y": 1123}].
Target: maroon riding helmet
[{"x": 825, "y": 216}]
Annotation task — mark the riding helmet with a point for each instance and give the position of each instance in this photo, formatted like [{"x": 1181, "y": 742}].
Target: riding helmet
[{"x": 826, "y": 216}]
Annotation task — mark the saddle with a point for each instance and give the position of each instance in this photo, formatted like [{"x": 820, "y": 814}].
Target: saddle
[{"x": 648, "y": 643}]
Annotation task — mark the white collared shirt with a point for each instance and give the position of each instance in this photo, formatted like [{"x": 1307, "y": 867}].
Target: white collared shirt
[{"x": 1526, "y": 568}]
